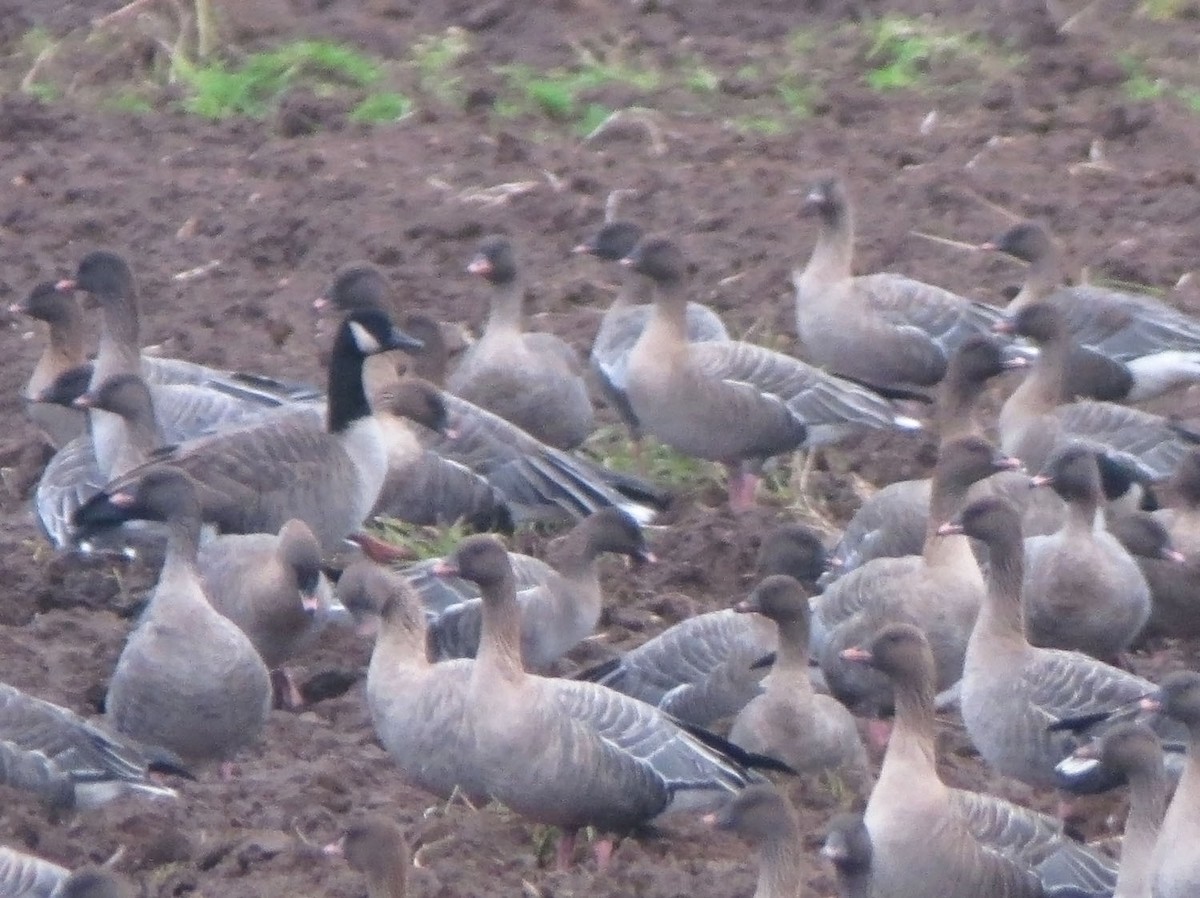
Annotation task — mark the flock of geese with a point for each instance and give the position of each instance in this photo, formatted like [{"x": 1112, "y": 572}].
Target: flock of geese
[{"x": 1006, "y": 588}]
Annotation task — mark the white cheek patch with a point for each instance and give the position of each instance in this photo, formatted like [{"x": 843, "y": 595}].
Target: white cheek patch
[{"x": 367, "y": 344}]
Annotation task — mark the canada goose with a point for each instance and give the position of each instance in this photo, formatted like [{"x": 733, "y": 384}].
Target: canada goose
[
  {"x": 704, "y": 667},
  {"x": 1130, "y": 346},
  {"x": 1132, "y": 751},
  {"x": 809, "y": 732},
  {"x": 628, "y": 316},
  {"x": 940, "y": 589},
  {"x": 886, "y": 330},
  {"x": 69, "y": 762},
  {"x": 532, "y": 379},
  {"x": 254, "y": 478},
  {"x": 196, "y": 401},
  {"x": 563, "y": 608},
  {"x": 1082, "y": 590},
  {"x": 762, "y": 816},
  {"x": 910, "y": 789},
  {"x": 538, "y": 482},
  {"x": 375, "y": 847},
  {"x": 920, "y": 845},
  {"x": 1039, "y": 417},
  {"x": 188, "y": 679},
  {"x": 418, "y": 708},
  {"x": 1013, "y": 692},
  {"x": 734, "y": 402},
  {"x": 1176, "y": 868},
  {"x": 569, "y": 753}
]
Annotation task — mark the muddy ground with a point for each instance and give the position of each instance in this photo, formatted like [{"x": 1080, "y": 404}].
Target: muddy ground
[{"x": 1055, "y": 134}]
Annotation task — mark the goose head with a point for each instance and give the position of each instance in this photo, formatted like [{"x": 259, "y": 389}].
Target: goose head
[
  {"x": 778, "y": 597},
  {"x": 612, "y": 242},
  {"x": 795, "y": 550},
  {"x": 494, "y": 261},
  {"x": 126, "y": 395},
  {"x": 356, "y": 286},
  {"x": 657, "y": 258},
  {"x": 103, "y": 275},
  {"x": 69, "y": 387},
  {"x": 1029, "y": 241},
  {"x": 47, "y": 302},
  {"x": 758, "y": 813},
  {"x": 827, "y": 198},
  {"x": 614, "y": 530},
  {"x": 902, "y": 652},
  {"x": 481, "y": 560}
]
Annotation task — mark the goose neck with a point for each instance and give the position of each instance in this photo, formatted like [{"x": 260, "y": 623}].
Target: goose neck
[
  {"x": 387, "y": 878},
  {"x": 507, "y": 308},
  {"x": 791, "y": 655},
  {"x": 1044, "y": 276},
  {"x": 911, "y": 754},
  {"x": 347, "y": 395},
  {"x": 118, "y": 352},
  {"x": 833, "y": 252},
  {"x": 779, "y": 871},
  {"x": 1002, "y": 613},
  {"x": 500, "y": 641}
]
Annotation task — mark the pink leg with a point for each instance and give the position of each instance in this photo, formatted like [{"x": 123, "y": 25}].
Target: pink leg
[
  {"x": 566, "y": 851},
  {"x": 287, "y": 693},
  {"x": 603, "y": 850},
  {"x": 879, "y": 731},
  {"x": 742, "y": 488}
]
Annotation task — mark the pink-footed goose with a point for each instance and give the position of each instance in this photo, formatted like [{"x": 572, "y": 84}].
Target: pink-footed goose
[
  {"x": 886, "y": 330},
  {"x": 69, "y": 762},
  {"x": 909, "y": 782},
  {"x": 1128, "y": 346},
  {"x": 762, "y": 816},
  {"x": 27, "y": 876},
  {"x": 1039, "y": 418},
  {"x": 188, "y": 679},
  {"x": 1132, "y": 751},
  {"x": 64, "y": 351},
  {"x": 920, "y": 845},
  {"x": 810, "y": 732},
  {"x": 539, "y": 482},
  {"x": 704, "y": 667},
  {"x": 734, "y": 402},
  {"x": 328, "y": 474},
  {"x": 1176, "y": 588},
  {"x": 187, "y": 400},
  {"x": 627, "y": 317},
  {"x": 1175, "y": 864},
  {"x": 560, "y": 610},
  {"x": 419, "y": 708},
  {"x": 272, "y": 586},
  {"x": 575, "y": 754},
  {"x": 1013, "y": 692},
  {"x": 939, "y": 590},
  {"x": 376, "y": 848},
  {"x": 891, "y": 523},
  {"x": 423, "y": 487},
  {"x": 1082, "y": 589},
  {"x": 534, "y": 380},
  {"x": 848, "y": 847}
]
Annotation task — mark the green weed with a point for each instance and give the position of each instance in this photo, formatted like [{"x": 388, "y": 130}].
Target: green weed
[
  {"x": 1163, "y": 10},
  {"x": 421, "y": 542},
  {"x": 659, "y": 463},
  {"x": 382, "y": 107},
  {"x": 557, "y": 94},
  {"x": 434, "y": 57},
  {"x": 906, "y": 48}
]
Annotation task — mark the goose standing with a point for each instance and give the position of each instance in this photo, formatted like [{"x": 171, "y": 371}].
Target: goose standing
[
  {"x": 762, "y": 816},
  {"x": 68, "y": 762},
  {"x": 1039, "y": 418},
  {"x": 1134, "y": 752},
  {"x": 1012, "y": 691},
  {"x": 272, "y": 586},
  {"x": 885, "y": 330},
  {"x": 1176, "y": 866},
  {"x": 909, "y": 788},
  {"x": 539, "y": 482},
  {"x": 1131, "y": 346},
  {"x": 64, "y": 351},
  {"x": 254, "y": 478},
  {"x": 1082, "y": 589},
  {"x": 627, "y": 318},
  {"x": 559, "y": 611},
  {"x": 811, "y": 733},
  {"x": 375, "y": 847},
  {"x": 939, "y": 590},
  {"x": 188, "y": 679},
  {"x": 704, "y": 667},
  {"x": 419, "y": 709},
  {"x": 191, "y": 399},
  {"x": 920, "y": 845},
  {"x": 734, "y": 402},
  {"x": 568, "y": 753},
  {"x": 532, "y": 379}
]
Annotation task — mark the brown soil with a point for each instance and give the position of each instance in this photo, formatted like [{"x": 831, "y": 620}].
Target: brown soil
[{"x": 278, "y": 214}]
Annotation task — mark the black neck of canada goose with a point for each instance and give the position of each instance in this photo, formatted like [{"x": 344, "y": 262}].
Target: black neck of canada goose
[{"x": 360, "y": 335}]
